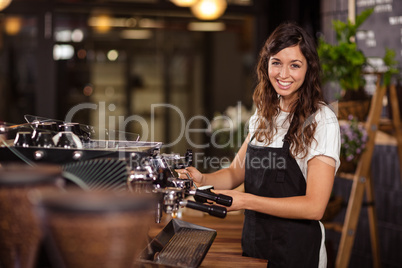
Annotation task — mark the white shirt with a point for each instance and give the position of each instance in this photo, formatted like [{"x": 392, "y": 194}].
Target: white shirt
[{"x": 327, "y": 136}]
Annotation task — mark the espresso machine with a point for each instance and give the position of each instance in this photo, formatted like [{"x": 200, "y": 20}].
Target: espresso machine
[{"x": 123, "y": 165}]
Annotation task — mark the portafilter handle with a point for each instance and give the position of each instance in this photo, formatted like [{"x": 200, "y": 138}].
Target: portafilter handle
[
  {"x": 204, "y": 195},
  {"x": 173, "y": 198},
  {"x": 212, "y": 210}
]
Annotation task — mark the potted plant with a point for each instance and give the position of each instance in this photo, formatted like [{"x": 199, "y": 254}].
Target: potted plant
[
  {"x": 353, "y": 139},
  {"x": 344, "y": 63}
]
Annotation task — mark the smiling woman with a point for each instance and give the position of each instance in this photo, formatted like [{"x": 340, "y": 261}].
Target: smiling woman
[
  {"x": 288, "y": 160},
  {"x": 287, "y": 70}
]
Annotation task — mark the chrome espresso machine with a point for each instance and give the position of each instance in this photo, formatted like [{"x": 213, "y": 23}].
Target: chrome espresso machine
[{"x": 120, "y": 162}]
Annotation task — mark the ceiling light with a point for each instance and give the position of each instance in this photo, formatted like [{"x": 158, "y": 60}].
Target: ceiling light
[
  {"x": 101, "y": 23},
  {"x": 4, "y": 4},
  {"x": 184, "y": 3},
  {"x": 209, "y": 9},
  {"x": 13, "y": 25}
]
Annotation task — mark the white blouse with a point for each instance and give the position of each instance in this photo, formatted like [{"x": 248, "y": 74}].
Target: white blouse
[{"x": 327, "y": 136}]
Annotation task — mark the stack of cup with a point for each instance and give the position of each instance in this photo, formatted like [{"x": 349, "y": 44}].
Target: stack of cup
[
  {"x": 20, "y": 231},
  {"x": 96, "y": 229}
]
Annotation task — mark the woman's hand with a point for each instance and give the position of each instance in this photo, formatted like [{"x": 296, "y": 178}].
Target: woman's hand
[
  {"x": 191, "y": 173},
  {"x": 239, "y": 198}
]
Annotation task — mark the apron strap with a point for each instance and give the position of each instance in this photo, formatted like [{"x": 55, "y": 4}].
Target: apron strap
[
  {"x": 280, "y": 176},
  {"x": 252, "y": 137}
]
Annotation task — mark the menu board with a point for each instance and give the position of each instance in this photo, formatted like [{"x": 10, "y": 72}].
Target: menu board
[{"x": 383, "y": 29}]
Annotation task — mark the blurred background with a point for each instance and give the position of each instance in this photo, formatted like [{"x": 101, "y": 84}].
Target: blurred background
[
  {"x": 158, "y": 66},
  {"x": 125, "y": 55}
]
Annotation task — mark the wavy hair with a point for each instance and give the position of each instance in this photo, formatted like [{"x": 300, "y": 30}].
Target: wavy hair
[{"x": 309, "y": 95}]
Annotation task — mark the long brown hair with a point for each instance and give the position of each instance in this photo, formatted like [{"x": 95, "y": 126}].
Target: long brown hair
[{"x": 301, "y": 131}]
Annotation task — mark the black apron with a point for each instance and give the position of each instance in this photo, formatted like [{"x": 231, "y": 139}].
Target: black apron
[{"x": 273, "y": 172}]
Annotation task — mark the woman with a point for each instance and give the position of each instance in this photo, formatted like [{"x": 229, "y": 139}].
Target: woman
[{"x": 289, "y": 159}]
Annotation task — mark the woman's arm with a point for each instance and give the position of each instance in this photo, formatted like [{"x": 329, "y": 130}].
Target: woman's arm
[
  {"x": 320, "y": 179},
  {"x": 227, "y": 178}
]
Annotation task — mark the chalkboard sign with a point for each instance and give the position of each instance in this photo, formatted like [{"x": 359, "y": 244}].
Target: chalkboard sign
[{"x": 383, "y": 29}]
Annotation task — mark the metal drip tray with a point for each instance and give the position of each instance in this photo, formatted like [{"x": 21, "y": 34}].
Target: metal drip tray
[{"x": 179, "y": 244}]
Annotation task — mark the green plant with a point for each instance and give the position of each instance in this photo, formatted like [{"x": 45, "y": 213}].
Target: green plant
[
  {"x": 391, "y": 64},
  {"x": 344, "y": 62}
]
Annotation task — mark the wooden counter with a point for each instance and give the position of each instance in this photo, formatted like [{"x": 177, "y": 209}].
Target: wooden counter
[{"x": 226, "y": 250}]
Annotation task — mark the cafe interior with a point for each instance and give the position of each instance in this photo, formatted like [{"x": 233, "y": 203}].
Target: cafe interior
[{"x": 135, "y": 89}]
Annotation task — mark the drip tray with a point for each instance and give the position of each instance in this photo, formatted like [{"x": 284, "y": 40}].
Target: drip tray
[{"x": 179, "y": 244}]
